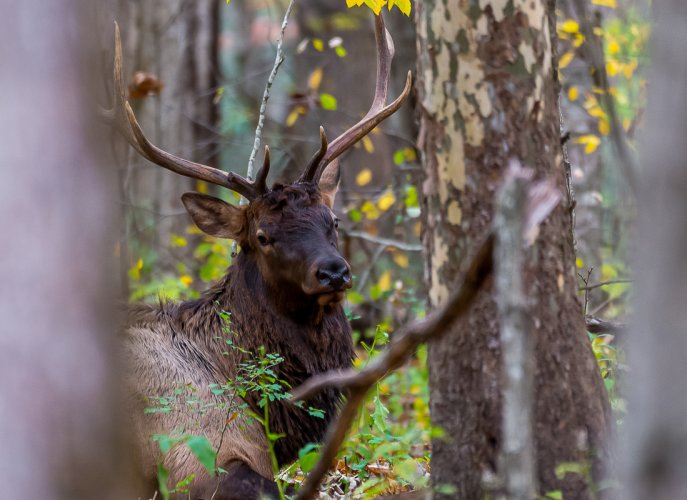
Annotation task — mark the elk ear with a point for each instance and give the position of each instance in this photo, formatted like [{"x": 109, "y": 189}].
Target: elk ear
[
  {"x": 329, "y": 183},
  {"x": 214, "y": 216}
]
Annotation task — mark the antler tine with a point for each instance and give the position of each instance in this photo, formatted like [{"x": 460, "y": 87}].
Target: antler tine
[
  {"x": 311, "y": 169},
  {"x": 378, "y": 110},
  {"x": 122, "y": 117},
  {"x": 261, "y": 178},
  {"x": 116, "y": 116}
]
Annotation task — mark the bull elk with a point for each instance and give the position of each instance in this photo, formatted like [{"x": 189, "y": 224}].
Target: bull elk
[{"x": 283, "y": 292}]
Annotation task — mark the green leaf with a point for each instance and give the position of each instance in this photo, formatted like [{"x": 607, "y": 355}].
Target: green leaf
[
  {"x": 355, "y": 297},
  {"x": 308, "y": 461},
  {"x": 328, "y": 102},
  {"x": 201, "y": 447},
  {"x": 406, "y": 470},
  {"x": 162, "y": 478}
]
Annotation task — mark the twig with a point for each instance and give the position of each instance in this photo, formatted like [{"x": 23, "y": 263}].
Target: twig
[
  {"x": 365, "y": 275},
  {"x": 279, "y": 59},
  {"x": 543, "y": 197},
  {"x": 386, "y": 242},
  {"x": 586, "y": 290},
  {"x": 604, "y": 283}
]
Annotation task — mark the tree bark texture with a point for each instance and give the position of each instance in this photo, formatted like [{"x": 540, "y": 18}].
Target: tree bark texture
[
  {"x": 59, "y": 423},
  {"x": 656, "y": 456},
  {"x": 487, "y": 93}
]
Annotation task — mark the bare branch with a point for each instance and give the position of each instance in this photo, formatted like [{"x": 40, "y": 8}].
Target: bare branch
[
  {"x": 279, "y": 59},
  {"x": 386, "y": 242}
]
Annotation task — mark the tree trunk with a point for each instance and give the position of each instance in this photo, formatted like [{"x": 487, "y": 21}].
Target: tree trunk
[
  {"x": 488, "y": 93},
  {"x": 657, "y": 454},
  {"x": 58, "y": 417}
]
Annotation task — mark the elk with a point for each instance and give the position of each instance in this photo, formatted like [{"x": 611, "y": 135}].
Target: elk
[{"x": 283, "y": 293}]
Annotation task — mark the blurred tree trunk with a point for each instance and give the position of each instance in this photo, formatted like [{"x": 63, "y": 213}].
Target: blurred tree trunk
[
  {"x": 488, "y": 93},
  {"x": 59, "y": 423},
  {"x": 176, "y": 41},
  {"x": 656, "y": 425}
]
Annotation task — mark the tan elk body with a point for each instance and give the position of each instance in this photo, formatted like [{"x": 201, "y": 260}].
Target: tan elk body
[{"x": 283, "y": 294}]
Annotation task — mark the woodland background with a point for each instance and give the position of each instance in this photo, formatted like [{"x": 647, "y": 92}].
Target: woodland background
[{"x": 83, "y": 240}]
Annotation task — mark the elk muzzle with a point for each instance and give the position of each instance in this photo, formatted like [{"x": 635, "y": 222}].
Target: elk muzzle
[{"x": 328, "y": 278}]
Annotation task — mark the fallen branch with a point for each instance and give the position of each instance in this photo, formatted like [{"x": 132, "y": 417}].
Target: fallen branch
[{"x": 542, "y": 198}]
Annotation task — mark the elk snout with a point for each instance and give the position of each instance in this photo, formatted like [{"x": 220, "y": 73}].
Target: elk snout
[{"x": 334, "y": 274}]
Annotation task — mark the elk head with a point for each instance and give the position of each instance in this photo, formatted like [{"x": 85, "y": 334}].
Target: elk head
[{"x": 289, "y": 230}]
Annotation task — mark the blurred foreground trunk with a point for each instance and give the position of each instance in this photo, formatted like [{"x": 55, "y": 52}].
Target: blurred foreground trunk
[
  {"x": 58, "y": 419},
  {"x": 657, "y": 421}
]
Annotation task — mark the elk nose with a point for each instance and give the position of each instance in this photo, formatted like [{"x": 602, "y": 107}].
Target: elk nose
[{"x": 334, "y": 273}]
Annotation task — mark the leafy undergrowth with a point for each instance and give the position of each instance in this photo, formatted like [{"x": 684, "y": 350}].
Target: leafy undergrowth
[{"x": 387, "y": 450}]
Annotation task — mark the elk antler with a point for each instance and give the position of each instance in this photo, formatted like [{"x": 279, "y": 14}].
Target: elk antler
[
  {"x": 379, "y": 111},
  {"x": 122, "y": 117}
]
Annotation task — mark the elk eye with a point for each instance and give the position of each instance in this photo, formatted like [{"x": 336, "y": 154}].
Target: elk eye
[{"x": 262, "y": 238}]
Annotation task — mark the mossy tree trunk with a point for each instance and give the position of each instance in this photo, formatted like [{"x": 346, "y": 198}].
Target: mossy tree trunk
[{"x": 487, "y": 92}]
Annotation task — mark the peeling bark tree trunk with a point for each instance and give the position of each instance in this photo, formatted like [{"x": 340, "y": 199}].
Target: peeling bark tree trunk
[
  {"x": 487, "y": 93},
  {"x": 657, "y": 455}
]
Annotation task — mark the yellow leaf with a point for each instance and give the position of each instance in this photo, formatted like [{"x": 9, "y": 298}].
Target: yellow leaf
[
  {"x": 364, "y": 177},
  {"x": 401, "y": 259},
  {"x": 570, "y": 26},
  {"x": 294, "y": 114},
  {"x": 579, "y": 263},
  {"x": 367, "y": 144},
  {"x": 626, "y": 124},
  {"x": 384, "y": 282},
  {"x": 605, "y": 3},
  {"x": 186, "y": 280},
  {"x": 403, "y": 5},
  {"x": 370, "y": 210},
  {"x": 386, "y": 200},
  {"x": 630, "y": 68},
  {"x": 375, "y": 5},
  {"x": 318, "y": 44},
  {"x": 578, "y": 40},
  {"x": 566, "y": 59},
  {"x": 613, "y": 67},
  {"x": 604, "y": 127},
  {"x": 613, "y": 47},
  {"x": 572, "y": 93},
  {"x": 315, "y": 79},
  {"x": 590, "y": 141},
  {"x": 177, "y": 241}
]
